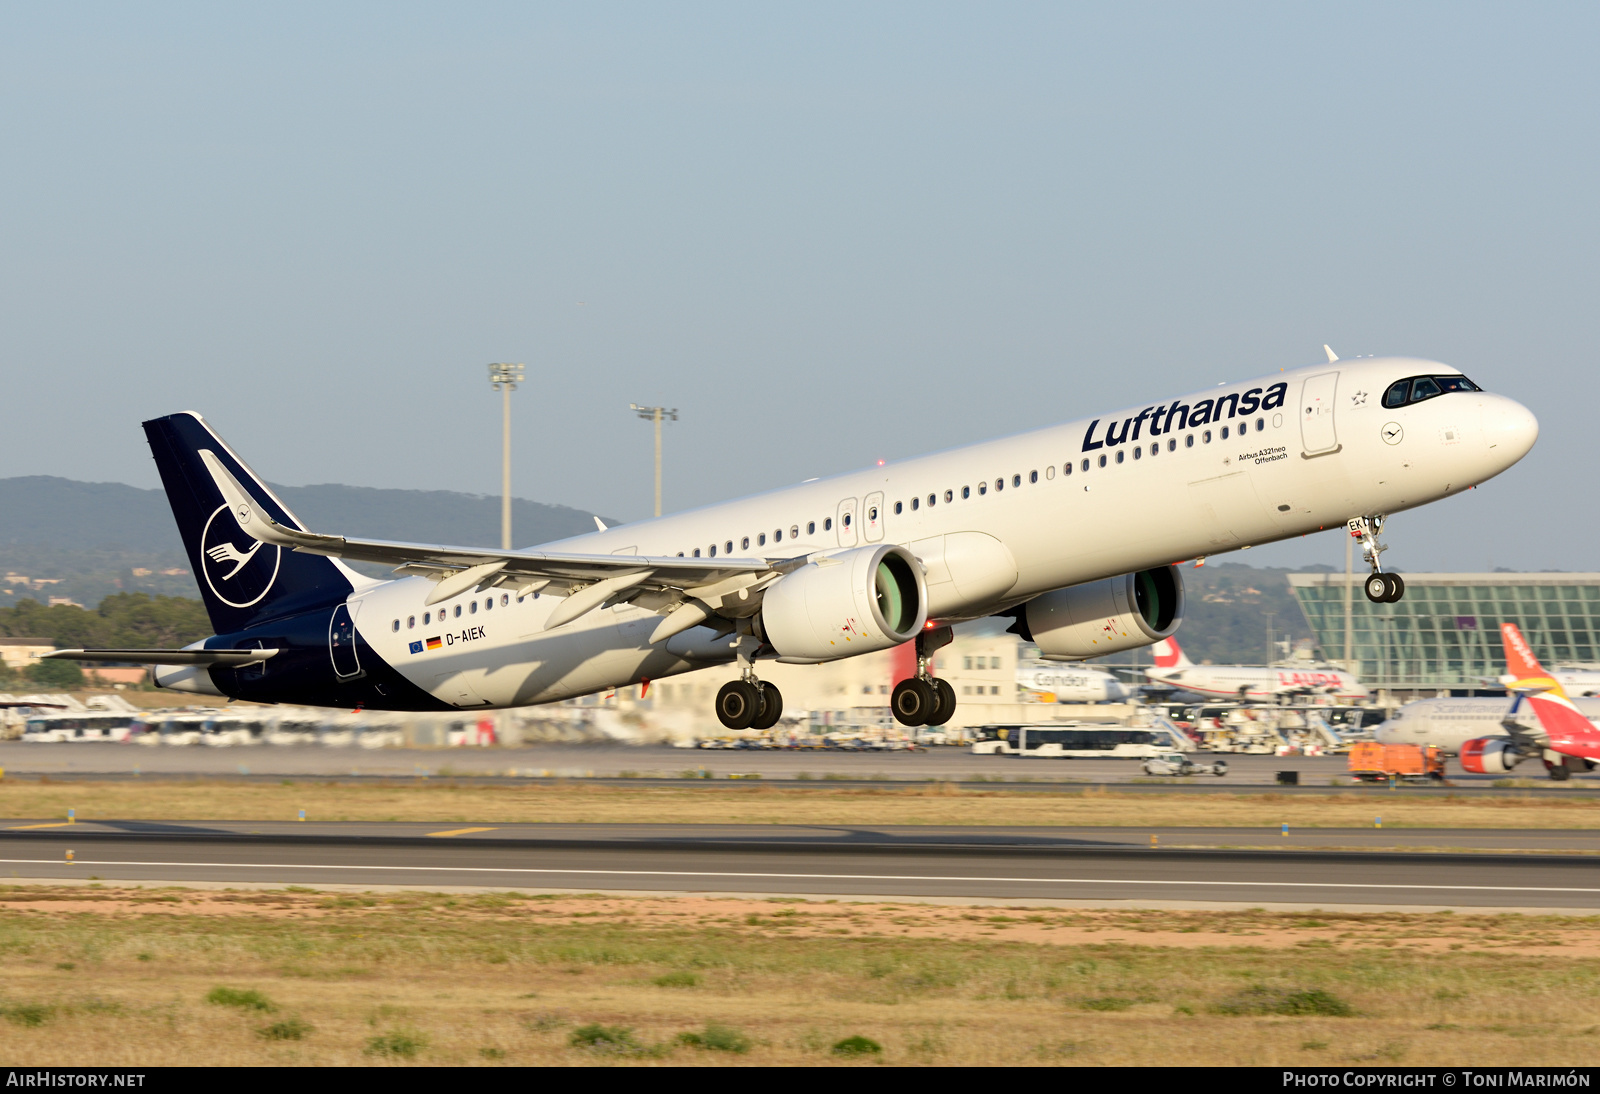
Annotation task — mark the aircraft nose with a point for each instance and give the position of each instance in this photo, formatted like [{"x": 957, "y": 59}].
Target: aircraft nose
[{"x": 1509, "y": 428}]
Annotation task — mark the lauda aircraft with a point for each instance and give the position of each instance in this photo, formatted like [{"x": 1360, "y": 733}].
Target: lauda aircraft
[
  {"x": 1070, "y": 530},
  {"x": 1174, "y": 669}
]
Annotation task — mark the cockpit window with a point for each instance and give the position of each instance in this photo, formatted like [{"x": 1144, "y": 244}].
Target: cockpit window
[{"x": 1415, "y": 389}]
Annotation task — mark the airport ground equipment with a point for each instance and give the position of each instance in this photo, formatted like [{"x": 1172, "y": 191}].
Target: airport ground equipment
[
  {"x": 1376, "y": 763},
  {"x": 1176, "y": 763}
]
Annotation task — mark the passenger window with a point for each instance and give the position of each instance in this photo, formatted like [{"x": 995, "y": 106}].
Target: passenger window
[
  {"x": 1425, "y": 387},
  {"x": 727, "y": 548},
  {"x": 697, "y": 552},
  {"x": 777, "y": 535},
  {"x": 1206, "y": 436},
  {"x": 847, "y": 520},
  {"x": 932, "y": 500},
  {"x": 1138, "y": 453},
  {"x": 1066, "y": 469},
  {"x": 397, "y": 626},
  {"x": 458, "y": 611},
  {"x": 488, "y": 603},
  {"x": 811, "y": 527},
  {"x": 1224, "y": 432},
  {"x": 425, "y": 617},
  {"x": 1244, "y": 427},
  {"x": 761, "y": 540},
  {"x": 1086, "y": 464},
  {"x": 827, "y": 524},
  {"x": 949, "y": 496},
  {"x": 1102, "y": 461},
  {"x": 1050, "y": 472},
  {"x": 411, "y": 621},
  {"x": 1172, "y": 444},
  {"x": 1016, "y": 480},
  {"x": 744, "y": 544},
  {"x": 1120, "y": 455},
  {"x": 999, "y": 484},
  {"x": 898, "y": 508},
  {"x": 983, "y": 488},
  {"x": 1396, "y": 395},
  {"x": 712, "y": 550},
  {"x": 505, "y": 599},
  {"x": 794, "y": 531},
  {"x": 472, "y": 609},
  {"x": 1155, "y": 449},
  {"x": 1261, "y": 423},
  {"x": 1033, "y": 476},
  {"x": 966, "y": 492},
  {"x": 916, "y": 503}
]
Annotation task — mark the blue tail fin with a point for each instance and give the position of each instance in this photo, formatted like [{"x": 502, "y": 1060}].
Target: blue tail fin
[{"x": 242, "y": 580}]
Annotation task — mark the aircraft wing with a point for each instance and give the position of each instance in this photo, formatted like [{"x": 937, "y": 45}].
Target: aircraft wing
[
  {"x": 586, "y": 580},
  {"x": 164, "y": 657}
]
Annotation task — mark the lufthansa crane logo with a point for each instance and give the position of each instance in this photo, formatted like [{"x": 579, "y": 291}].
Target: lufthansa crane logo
[{"x": 239, "y": 568}]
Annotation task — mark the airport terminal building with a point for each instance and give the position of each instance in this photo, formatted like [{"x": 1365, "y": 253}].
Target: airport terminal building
[{"x": 1444, "y": 635}]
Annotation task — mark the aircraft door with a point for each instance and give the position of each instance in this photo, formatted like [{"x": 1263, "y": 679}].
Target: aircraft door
[
  {"x": 844, "y": 522},
  {"x": 872, "y": 517},
  {"x": 342, "y": 644},
  {"x": 1316, "y": 414}
]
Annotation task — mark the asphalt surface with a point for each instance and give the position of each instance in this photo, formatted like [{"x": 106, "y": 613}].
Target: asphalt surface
[
  {"x": 664, "y": 762},
  {"x": 1470, "y": 869}
]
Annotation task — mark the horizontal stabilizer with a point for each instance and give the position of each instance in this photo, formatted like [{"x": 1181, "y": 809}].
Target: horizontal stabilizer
[{"x": 166, "y": 657}]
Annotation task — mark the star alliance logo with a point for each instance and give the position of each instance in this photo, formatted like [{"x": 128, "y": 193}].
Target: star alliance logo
[{"x": 1358, "y": 399}]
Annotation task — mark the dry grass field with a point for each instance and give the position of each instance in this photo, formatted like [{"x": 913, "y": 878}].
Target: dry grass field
[
  {"x": 128, "y": 977},
  {"x": 766, "y": 803}
]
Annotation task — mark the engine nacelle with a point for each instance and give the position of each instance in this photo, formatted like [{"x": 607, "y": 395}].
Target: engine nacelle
[
  {"x": 1489, "y": 756},
  {"x": 1101, "y": 617},
  {"x": 859, "y": 601}
]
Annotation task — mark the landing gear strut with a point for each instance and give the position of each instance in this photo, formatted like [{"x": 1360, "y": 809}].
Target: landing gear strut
[
  {"x": 925, "y": 700},
  {"x": 1381, "y": 588},
  {"x": 748, "y": 703}
]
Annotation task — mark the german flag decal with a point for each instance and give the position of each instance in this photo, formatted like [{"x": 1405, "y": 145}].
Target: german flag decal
[{"x": 435, "y": 643}]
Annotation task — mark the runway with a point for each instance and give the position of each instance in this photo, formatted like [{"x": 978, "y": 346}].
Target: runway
[{"x": 1471, "y": 869}]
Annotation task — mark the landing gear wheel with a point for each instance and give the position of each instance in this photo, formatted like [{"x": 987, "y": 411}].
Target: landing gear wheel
[
  {"x": 1558, "y": 772},
  {"x": 1377, "y": 588},
  {"x": 771, "y": 708},
  {"x": 738, "y": 704},
  {"x": 944, "y": 705},
  {"x": 1397, "y": 587},
  {"x": 912, "y": 702}
]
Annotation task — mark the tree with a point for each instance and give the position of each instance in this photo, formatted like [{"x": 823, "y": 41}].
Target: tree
[{"x": 56, "y": 674}]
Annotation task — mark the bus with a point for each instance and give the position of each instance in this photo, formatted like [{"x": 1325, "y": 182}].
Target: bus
[
  {"x": 1069, "y": 741},
  {"x": 91, "y": 726}
]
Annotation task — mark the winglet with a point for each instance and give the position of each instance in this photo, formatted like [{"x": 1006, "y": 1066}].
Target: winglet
[
  {"x": 600, "y": 524},
  {"x": 1332, "y": 356}
]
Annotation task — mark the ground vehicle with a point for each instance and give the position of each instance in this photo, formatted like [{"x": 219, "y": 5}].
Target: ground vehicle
[
  {"x": 1374, "y": 762},
  {"x": 1176, "y": 763},
  {"x": 1085, "y": 741},
  {"x": 61, "y": 728}
]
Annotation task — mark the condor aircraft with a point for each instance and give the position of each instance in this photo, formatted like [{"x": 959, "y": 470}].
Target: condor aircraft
[
  {"x": 1071, "y": 531},
  {"x": 1074, "y": 684},
  {"x": 1174, "y": 669}
]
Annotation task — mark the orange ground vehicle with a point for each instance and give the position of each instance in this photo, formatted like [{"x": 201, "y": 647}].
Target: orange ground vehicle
[{"x": 1376, "y": 763}]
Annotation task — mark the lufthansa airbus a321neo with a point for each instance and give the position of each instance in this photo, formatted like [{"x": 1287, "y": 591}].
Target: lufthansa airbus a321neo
[{"x": 1071, "y": 531}]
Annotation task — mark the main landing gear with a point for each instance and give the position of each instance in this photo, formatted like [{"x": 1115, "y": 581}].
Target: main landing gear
[
  {"x": 925, "y": 700},
  {"x": 1381, "y": 588},
  {"x": 748, "y": 703}
]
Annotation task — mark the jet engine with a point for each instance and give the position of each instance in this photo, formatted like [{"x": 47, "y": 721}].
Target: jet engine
[
  {"x": 1489, "y": 755},
  {"x": 1101, "y": 617},
  {"x": 858, "y": 601}
]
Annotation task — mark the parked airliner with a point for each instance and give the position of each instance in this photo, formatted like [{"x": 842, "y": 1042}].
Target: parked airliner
[
  {"x": 1070, "y": 530},
  {"x": 1174, "y": 669},
  {"x": 1562, "y": 736},
  {"x": 1072, "y": 683}
]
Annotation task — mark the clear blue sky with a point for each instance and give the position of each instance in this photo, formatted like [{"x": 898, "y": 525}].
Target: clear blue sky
[{"x": 828, "y": 234}]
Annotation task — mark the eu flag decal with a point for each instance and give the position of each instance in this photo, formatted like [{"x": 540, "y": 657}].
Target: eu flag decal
[{"x": 416, "y": 647}]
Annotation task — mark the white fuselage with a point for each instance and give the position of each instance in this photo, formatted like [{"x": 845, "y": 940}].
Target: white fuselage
[
  {"x": 994, "y": 524},
  {"x": 1073, "y": 683},
  {"x": 1448, "y": 723},
  {"x": 1259, "y": 682}
]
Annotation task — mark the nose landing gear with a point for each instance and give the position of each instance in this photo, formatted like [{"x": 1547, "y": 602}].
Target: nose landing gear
[
  {"x": 1381, "y": 588},
  {"x": 924, "y": 699}
]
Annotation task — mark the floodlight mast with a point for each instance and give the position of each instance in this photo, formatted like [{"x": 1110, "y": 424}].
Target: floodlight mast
[
  {"x": 656, "y": 414},
  {"x": 504, "y": 378}
]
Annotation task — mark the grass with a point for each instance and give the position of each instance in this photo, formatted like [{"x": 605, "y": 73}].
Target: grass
[
  {"x": 505, "y": 979},
  {"x": 771, "y": 803}
]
